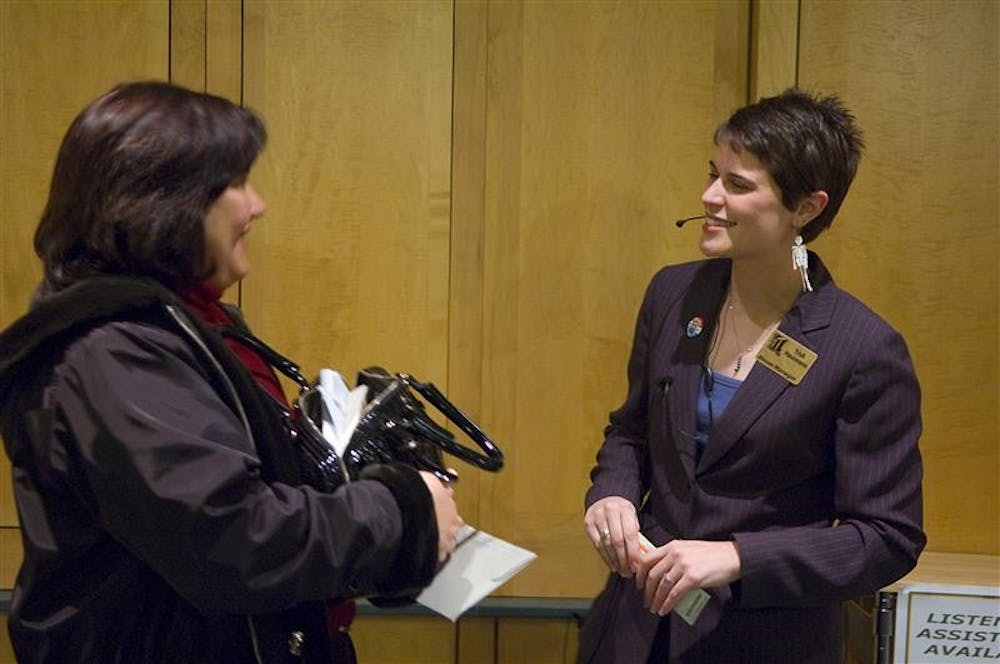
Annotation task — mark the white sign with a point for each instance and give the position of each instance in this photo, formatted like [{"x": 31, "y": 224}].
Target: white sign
[{"x": 947, "y": 624}]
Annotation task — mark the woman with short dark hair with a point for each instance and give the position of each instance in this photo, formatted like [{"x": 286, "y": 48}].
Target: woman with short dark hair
[
  {"x": 764, "y": 466},
  {"x": 163, "y": 510}
]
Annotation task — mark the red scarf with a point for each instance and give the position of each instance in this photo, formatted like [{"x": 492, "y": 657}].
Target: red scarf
[{"x": 204, "y": 302}]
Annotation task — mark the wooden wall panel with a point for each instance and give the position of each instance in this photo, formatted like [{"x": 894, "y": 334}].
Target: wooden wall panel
[
  {"x": 206, "y": 46},
  {"x": 417, "y": 639},
  {"x": 42, "y": 88},
  {"x": 6, "y": 652},
  {"x": 188, "y": 38},
  {"x": 403, "y": 640},
  {"x": 774, "y": 52},
  {"x": 918, "y": 237},
  {"x": 351, "y": 260},
  {"x": 468, "y": 183},
  {"x": 598, "y": 131},
  {"x": 224, "y": 48},
  {"x": 476, "y": 642},
  {"x": 530, "y": 641},
  {"x": 11, "y": 553}
]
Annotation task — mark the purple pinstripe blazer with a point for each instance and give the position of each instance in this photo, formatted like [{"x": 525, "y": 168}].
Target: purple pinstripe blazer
[{"x": 819, "y": 484}]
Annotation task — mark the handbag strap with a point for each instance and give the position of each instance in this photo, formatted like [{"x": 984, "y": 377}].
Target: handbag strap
[{"x": 273, "y": 357}]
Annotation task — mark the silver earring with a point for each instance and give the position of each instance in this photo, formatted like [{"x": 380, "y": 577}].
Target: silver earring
[{"x": 800, "y": 262}]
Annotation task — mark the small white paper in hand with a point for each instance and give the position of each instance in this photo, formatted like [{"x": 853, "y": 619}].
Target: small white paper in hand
[{"x": 480, "y": 564}]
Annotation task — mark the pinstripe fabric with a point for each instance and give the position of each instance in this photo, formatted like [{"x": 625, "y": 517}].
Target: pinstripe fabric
[{"x": 819, "y": 484}]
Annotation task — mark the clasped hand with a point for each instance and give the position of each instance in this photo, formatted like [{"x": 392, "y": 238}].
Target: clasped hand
[
  {"x": 445, "y": 513},
  {"x": 663, "y": 574}
]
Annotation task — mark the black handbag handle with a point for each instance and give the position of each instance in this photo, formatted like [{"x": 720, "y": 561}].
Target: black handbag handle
[
  {"x": 369, "y": 421},
  {"x": 491, "y": 459}
]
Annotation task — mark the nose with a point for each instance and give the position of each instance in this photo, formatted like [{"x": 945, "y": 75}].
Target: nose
[
  {"x": 257, "y": 205},
  {"x": 713, "y": 197}
]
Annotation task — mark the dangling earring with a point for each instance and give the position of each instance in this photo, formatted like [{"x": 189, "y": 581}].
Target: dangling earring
[{"x": 800, "y": 262}]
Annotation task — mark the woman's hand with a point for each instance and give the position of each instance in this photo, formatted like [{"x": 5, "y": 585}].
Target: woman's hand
[
  {"x": 613, "y": 527},
  {"x": 669, "y": 572},
  {"x": 446, "y": 513}
]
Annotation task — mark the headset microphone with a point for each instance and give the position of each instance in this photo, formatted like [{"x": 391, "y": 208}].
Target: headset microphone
[
  {"x": 718, "y": 222},
  {"x": 681, "y": 222}
]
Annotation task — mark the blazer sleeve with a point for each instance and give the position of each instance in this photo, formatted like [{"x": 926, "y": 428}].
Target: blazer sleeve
[
  {"x": 173, "y": 476},
  {"x": 622, "y": 461},
  {"x": 878, "y": 533}
]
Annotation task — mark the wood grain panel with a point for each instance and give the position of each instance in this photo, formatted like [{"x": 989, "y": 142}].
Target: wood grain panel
[
  {"x": 403, "y": 640},
  {"x": 468, "y": 182},
  {"x": 525, "y": 641},
  {"x": 917, "y": 238},
  {"x": 6, "y": 651},
  {"x": 599, "y": 124},
  {"x": 42, "y": 88},
  {"x": 351, "y": 261},
  {"x": 8, "y": 510},
  {"x": 11, "y": 555},
  {"x": 774, "y": 52},
  {"x": 224, "y": 48},
  {"x": 732, "y": 43},
  {"x": 476, "y": 641},
  {"x": 206, "y": 46},
  {"x": 414, "y": 639},
  {"x": 187, "y": 43}
]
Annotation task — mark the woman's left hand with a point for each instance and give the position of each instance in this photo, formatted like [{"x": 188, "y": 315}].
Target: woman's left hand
[{"x": 669, "y": 572}]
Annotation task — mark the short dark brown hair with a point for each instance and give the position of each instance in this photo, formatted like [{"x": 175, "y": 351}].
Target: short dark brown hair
[
  {"x": 135, "y": 175},
  {"x": 807, "y": 143}
]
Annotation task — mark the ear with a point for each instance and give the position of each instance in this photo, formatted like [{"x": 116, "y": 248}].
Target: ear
[{"x": 811, "y": 207}]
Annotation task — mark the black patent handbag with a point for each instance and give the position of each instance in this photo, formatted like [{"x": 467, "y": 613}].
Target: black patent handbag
[{"x": 394, "y": 426}]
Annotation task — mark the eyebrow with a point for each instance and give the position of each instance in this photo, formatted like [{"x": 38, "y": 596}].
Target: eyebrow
[{"x": 733, "y": 176}]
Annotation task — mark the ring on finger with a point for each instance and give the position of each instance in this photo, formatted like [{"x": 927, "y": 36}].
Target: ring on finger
[{"x": 605, "y": 534}]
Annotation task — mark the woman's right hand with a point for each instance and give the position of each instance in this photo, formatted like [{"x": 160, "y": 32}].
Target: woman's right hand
[
  {"x": 446, "y": 513},
  {"x": 613, "y": 527}
]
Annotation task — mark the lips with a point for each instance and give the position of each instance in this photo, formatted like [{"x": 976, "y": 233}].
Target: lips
[{"x": 718, "y": 222}]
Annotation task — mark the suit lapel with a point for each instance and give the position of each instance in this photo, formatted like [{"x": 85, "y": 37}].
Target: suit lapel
[
  {"x": 701, "y": 303},
  {"x": 762, "y": 387}
]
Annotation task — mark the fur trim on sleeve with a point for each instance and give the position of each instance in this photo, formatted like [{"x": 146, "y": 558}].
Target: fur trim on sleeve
[{"x": 417, "y": 560}]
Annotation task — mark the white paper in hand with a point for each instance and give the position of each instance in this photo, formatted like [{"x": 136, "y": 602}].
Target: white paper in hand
[
  {"x": 479, "y": 565},
  {"x": 342, "y": 408}
]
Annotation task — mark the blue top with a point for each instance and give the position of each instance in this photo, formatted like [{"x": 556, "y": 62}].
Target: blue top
[{"x": 716, "y": 392}]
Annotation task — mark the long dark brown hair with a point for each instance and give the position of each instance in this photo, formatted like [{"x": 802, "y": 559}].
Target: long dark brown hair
[{"x": 136, "y": 172}]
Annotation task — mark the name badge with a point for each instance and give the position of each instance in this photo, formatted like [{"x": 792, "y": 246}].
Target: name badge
[{"x": 786, "y": 357}]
